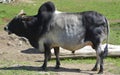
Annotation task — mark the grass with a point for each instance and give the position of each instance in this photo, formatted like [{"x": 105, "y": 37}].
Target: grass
[
  {"x": 115, "y": 33},
  {"x": 23, "y": 68},
  {"x": 114, "y": 63},
  {"x": 78, "y": 60},
  {"x": 106, "y": 7}
]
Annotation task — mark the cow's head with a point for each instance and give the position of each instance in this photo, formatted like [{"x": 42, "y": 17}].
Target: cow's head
[{"x": 17, "y": 24}]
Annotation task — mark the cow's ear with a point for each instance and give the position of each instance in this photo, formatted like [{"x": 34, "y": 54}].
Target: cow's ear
[{"x": 46, "y": 7}]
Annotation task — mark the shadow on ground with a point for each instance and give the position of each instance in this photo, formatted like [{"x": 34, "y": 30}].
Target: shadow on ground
[
  {"x": 31, "y": 51},
  {"x": 51, "y": 69}
]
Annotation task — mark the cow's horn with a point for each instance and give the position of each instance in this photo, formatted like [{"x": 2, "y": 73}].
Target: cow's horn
[{"x": 22, "y": 12}]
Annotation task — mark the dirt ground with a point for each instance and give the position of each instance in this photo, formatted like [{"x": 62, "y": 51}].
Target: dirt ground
[{"x": 18, "y": 49}]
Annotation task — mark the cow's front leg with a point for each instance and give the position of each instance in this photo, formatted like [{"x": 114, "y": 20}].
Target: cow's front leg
[
  {"x": 49, "y": 57},
  {"x": 56, "y": 50},
  {"x": 46, "y": 55}
]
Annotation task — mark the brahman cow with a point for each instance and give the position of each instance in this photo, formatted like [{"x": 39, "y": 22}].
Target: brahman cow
[{"x": 53, "y": 29}]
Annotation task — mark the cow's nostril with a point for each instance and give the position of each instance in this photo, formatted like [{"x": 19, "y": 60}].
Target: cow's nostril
[{"x": 5, "y": 28}]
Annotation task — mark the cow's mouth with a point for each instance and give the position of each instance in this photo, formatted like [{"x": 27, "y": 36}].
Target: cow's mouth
[
  {"x": 6, "y": 29},
  {"x": 9, "y": 33}
]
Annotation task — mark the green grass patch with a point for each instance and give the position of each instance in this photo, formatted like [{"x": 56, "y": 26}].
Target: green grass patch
[
  {"x": 107, "y": 7},
  {"x": 79, "y": 60},
  {"x": 114, "y": 65},
  {"x": 114, "y": 33},
  {"x": 115, "y": 61}
]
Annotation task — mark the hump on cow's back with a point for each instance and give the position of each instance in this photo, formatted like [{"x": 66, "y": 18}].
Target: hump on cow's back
[{"x": 47, "y": 7}]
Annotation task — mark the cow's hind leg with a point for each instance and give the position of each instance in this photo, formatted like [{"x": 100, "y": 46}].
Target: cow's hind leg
[
  {"x": 95, "y": 68},
  {"x": 56, "y": 50},
  {"x": 99, "y": 59},
  {"x": 46, "y": 55}
]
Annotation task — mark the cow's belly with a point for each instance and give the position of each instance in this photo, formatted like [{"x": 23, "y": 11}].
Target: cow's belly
[
  {"x": 71, "y": 43},
  {"x": 64, "y": 41},
  {"x": 74, "y": 47}
]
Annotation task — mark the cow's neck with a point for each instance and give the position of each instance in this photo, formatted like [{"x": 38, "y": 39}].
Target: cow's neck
[
  {"x": 33, "y": 40},
  {"x": 34, "y": 43},
  {"x": 32, "y": 32}
]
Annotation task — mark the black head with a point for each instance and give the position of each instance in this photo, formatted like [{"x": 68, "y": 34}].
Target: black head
[{"x": 17, "y": 25}]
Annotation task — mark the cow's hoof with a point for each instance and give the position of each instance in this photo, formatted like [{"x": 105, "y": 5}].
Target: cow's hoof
[
  {"x": 100, "y": 72},
  {"x": 44, "y": 68},
  {"x": 57, "y": 67},
  {"x": 94, "y": 69}
]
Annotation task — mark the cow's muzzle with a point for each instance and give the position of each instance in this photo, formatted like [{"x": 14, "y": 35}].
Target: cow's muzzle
[{"x": 6, "y": 29}]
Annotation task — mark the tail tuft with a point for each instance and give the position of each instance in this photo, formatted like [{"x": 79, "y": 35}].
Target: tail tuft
[{"x": 105, "y": 51}]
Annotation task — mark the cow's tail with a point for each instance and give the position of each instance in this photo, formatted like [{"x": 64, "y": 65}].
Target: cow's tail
[{"x": 105, "y": 53}]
